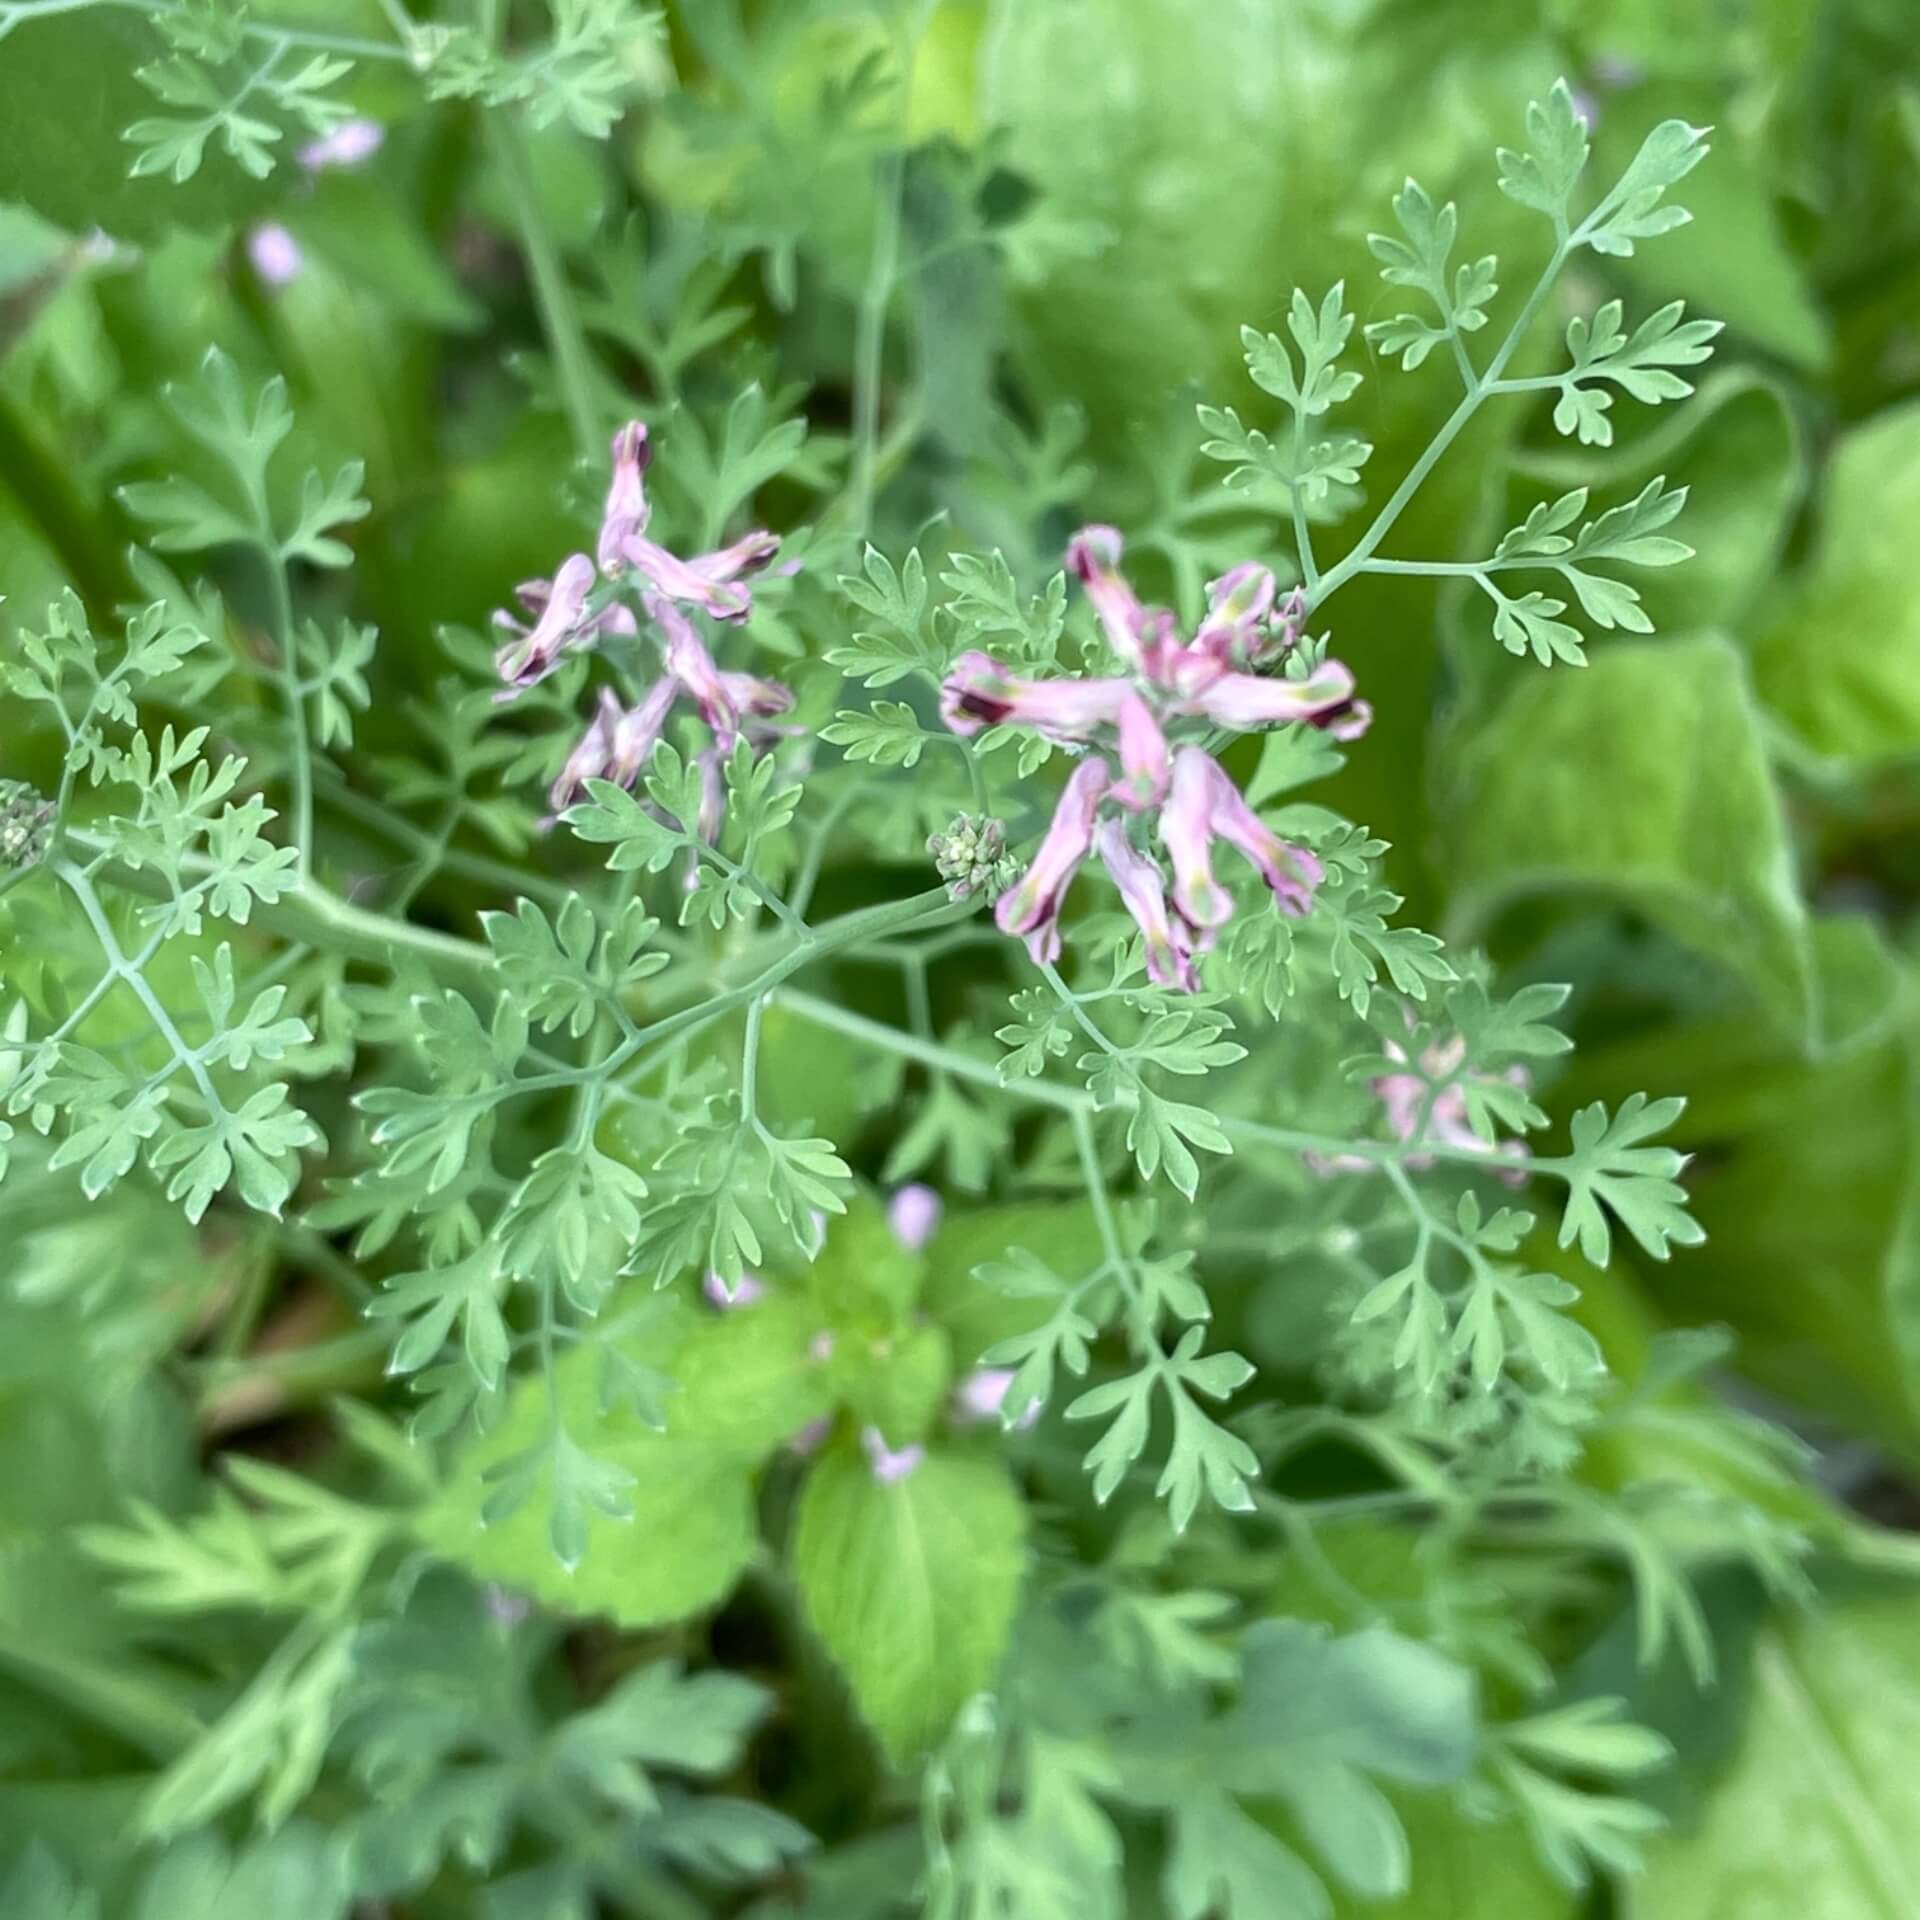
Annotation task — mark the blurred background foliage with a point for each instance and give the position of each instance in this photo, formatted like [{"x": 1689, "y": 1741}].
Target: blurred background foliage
[{"x": 1042, "y": 225}]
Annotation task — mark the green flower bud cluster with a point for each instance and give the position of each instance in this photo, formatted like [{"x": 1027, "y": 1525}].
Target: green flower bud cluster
[
  {"x": 26, "y": 824},
  {"x": 971, "y": 855}
]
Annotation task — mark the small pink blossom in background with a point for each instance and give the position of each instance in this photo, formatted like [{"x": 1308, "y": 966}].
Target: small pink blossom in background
[
  {"x": 275, "y": 254},
  {"x": 914, "y": 1215},
  {"x": 1404, "y": 1095},
  {"x": 809, "y": 1438},
  {"x": 982, "y": 1395},
  {"x": 820, "y": 1348},
  {"x": 890, "y": 1464},
  {"x": 349, "y": 144},
  {"x": 746, "y": 1290}
]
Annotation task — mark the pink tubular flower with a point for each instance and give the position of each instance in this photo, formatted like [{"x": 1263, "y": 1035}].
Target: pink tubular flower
[
  {"x": 759, "y": 699},
  {"x": 1406, "y": 1096},
  {"x": 693, "y": 666},
  {"x": 713, "y": 797},
  {"x": 1238, "y": 604},
  {"x": 1186, "y": 831},
  {"x": 713, "y": 582},
  {"x": 1244, "y": 701},
  {"x": 569, "y": 615},
  {"x": 533, "y": 653},
  {"x": 1093, "y": 557},
  {"x": 638, "y": 730},
  {"x": 591, "y": 758},
  {"x": 1169, "y": 945},
  {"x": 1032, "y": 909},
  {"x": 978, "y": 694},
  {"x": 626, "y": 512},
  {"x": 1291, "y": 872}
]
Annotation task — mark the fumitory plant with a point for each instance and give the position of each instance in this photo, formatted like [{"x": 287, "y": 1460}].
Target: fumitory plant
[{"x": 787, "y": 1222}]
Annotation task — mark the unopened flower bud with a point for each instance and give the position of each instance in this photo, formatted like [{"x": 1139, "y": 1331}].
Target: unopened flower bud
[
  {"x": 26, "y": 824},
  {"x": 971, "y": 855}
]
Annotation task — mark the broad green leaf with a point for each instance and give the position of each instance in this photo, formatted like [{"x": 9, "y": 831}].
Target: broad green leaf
[
  {"x": 1644, "y": 780},
  {"x": 910, "y": 1585},
  {"x": 67, "y": 91},
  {"x": 975, "y": 1312},
  {"x": 1218, "y": 232},
  {"x": 1810, "y": 1197},
  {"x": 1839, "y": 662},
  {"x": 747, "y": 1381},
  {"x": 1466, "y": 1870},
  {"x": 1817, "y": 1817}
]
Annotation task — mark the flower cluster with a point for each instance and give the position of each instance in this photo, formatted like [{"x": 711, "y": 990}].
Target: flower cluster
[
  {"x": 1431, "y": 1104},
  {"x": 1211, "y": 677},
  {"x": 581, "y": 605}
]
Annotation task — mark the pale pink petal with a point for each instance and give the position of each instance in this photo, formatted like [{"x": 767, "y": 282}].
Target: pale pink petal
[
  {"x": 890, "y": 1464},
  {"x": 1032, "y": 909},
  {"x": 347, "y": 145},
  {"x": 914, "y": 1215},
  {"x": 1244, "y": 701},
  {"x": 979, "y": 693},
  {"x": 590, "y": 758},
  {"x": 693, "y": 666},
  {"x": 275, "y": 254},
  {"x": 637, "y": 731},
  {"x": 713, "y": 796},
  {"x": 1093, "y": 557},
  {"x": 531, "y": 656},
  {"x": 626, "y": 512},
  {"x": 1169, "y": 951},
  {"x": 1143, "y": 757},
  {"x": 982, "y": 1394},
  {"x": 1186, "y": 831},
  {"x": 746, "y": 694},
  {"x": 749, "y": 554},
  {"x": 1290, "y": 871}
]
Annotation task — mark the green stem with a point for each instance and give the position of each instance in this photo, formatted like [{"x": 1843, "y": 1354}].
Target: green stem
[
  {"x": 111, "y": 1692},
  {"x": 553, "y": 296},
  {"x": 1302, "y": 537},
  {"x": 315, "y": 917},
  {"x": 120, "y": 967},
  {"x": 1363, "y": 549},
  {"x": 299, "y": 749},
  {"x": 870, "y": 333},
  {"x": 1077, "y": 1100}
]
